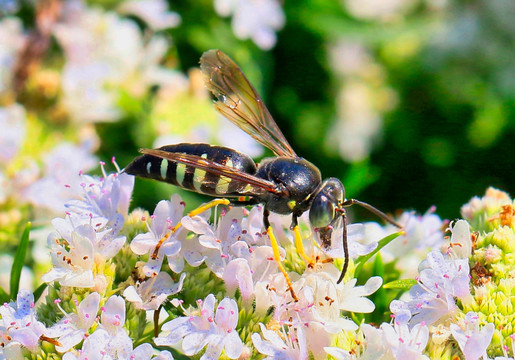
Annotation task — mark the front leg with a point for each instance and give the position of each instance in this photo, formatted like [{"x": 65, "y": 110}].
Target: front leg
[
  {"x": 275, "y": 249},
  {"x": 298, "y": 241}
]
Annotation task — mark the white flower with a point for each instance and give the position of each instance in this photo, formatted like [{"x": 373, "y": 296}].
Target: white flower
[
  {"x": 460, "y": 243},
  {"x": 373, "y": 347},
  {"x": 19, "y": 325},
  {"x": 403, "y": 342},
  {"x": 119, "y": 345},
  {"x": 216, "y": 330},
  {"x": 12, "y": 123},
  {"x": 73, "y": 328},
  {"x": 72, "y": 257},
  {"x": 92, "y": 348},
  {"x": 273, "y": 345},
  {"x": 103, "y": 202},
  {"x": 441, "y": 280},
  {"x": 255, "y": 19},
  {"x": 154, "y": 12},
  {"x": 216, "y": 240},
  {"x": 151, "y": 293},
  {"x": 472, "y": 339},
  {"x": 166, "y": 215},
  {"x": 352, "y": 298}
]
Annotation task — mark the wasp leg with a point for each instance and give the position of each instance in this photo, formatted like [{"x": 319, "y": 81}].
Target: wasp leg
[
  {"x": 298, "y": 241},
  {"x": 345, "y": 248},
  {"x": 275, "y": 249},
  {"x": 192, "y": 213}
]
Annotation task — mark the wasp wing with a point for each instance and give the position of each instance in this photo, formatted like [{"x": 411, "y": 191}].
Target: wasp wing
[
  {"x": 257, "y": 185},
  {"x": 239, "y": 102}
]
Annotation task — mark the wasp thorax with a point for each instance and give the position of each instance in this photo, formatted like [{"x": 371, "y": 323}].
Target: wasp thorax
[{"x": 326, "y": 201}]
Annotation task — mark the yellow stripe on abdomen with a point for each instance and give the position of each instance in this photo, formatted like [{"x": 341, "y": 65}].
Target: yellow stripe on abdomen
[
  {"x": 222, "y": 186},
  {"x": 199, "y": 176}
]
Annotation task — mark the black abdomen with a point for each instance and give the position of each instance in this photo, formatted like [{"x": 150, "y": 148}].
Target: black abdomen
[{"x": 191, "y": 178}]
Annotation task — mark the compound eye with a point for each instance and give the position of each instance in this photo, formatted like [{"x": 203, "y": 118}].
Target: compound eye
[{"x": 322, "y": 211}]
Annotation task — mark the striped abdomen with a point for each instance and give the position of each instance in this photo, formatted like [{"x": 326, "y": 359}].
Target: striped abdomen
[{"x": 191, "y": 178}]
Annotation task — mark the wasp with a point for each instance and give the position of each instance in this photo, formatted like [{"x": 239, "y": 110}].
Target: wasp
[{"x": 284, "y": 184}]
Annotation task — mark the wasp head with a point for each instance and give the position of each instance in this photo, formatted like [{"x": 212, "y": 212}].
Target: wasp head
[{"x": 326, "y": 209}]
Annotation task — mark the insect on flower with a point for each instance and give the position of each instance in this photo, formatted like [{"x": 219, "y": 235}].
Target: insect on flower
[{"x": 285, "y": 184}]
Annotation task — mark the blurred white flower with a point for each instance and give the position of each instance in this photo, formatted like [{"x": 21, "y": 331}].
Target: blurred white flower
[
  {"x": 12, "y": 123},
  {"x": 362, "y": 99},
  {"x": 359, "y": 123},
  {"x": 61, "y": 180},
  {"x": 254, "y": 19},
  {"x": 105, "y": 54},
  {"x": 421, "y": 232},
  {"x": 154, "y": 12},
  {"x": 9, "y": 6},
  {"x": 12, "y": 41}
]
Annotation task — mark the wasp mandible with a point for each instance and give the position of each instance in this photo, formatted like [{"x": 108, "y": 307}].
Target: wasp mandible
[{"x": 285, "y": 184}]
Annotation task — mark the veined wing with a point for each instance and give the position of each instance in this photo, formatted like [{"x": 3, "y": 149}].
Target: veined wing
[
  {"x": 239, "y": 102},
  {"x": 257, "y": 186}
]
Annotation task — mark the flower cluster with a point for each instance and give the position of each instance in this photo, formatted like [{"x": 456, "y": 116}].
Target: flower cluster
[{"x": 244, "y": 307}]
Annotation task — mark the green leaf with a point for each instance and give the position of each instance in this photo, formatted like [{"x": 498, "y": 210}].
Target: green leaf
[
  {"x": 382, "y": 243},
  {"x": 402, "y": 284},
  {"x": 380, "y": 299},
  {"x": 39, "y": 291},
  {"x": 19, "y": 261},
  {"x": 4, "y": 297}
]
